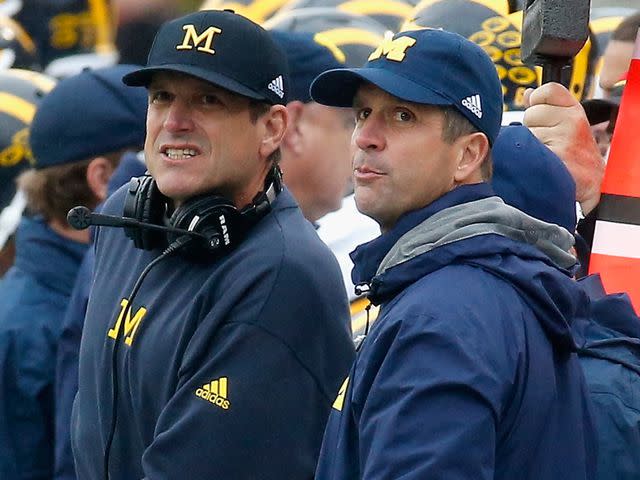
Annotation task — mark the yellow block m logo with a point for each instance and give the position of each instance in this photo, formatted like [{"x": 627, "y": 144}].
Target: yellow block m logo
[
  {"x": 130, "y": 324},
  {"x": 192, "y": 39},
  {"x": 393, "y": 49}
]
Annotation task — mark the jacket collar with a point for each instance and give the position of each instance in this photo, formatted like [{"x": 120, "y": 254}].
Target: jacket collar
[
  {"x": 367, "y": 257},
  {"x": 46, "y": 255}
]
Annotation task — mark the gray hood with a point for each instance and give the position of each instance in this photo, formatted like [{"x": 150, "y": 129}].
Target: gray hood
[{"x": 481, "y": 217}]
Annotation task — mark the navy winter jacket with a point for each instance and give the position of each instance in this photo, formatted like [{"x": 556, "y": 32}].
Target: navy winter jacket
[
  {"x": 34, "y": 293},
  {"x": 470, "y": 370},
  {"x": 226, "y": 369},
  {"x": 609, "y": 350}
]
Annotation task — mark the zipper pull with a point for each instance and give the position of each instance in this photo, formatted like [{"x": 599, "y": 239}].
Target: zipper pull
[{"x": 362, "y": 288}]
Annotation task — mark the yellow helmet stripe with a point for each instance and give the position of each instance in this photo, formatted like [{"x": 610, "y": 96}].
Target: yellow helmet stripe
[
  {"x": 260, "y": 11},
  {"x": 23, "y": 37},
  {"x": 367, "y": 7},
  {"x": 43, "y": 82},
  {"x": 341, "y": 36},
  {"x": 326, "y": 42},
  {"x": 17, "y": 107},
  {"x": 605, "y": 24}
]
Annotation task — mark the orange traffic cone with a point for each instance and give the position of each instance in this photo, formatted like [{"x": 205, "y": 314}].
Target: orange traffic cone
[{"x": 616, "y": 244}]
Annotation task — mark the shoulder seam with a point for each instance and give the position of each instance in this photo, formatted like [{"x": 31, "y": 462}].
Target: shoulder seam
[{"x": 291, "y": 352}]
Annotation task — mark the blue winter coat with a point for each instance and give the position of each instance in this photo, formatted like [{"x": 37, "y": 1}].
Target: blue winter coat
[
  {"x": 34, "y": 292},
  {"x": 609, "y": 349},
  {"x": 226, "y": 369},
  {"x": 470, "y": 370}
]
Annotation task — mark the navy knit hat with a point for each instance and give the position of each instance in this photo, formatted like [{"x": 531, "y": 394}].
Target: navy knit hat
[
  {"x": 306, "y": 58},
  {"x": 432, "y": 67},
  {"x": 222, "y": 48},
  {"x": 529, "y": 176},
  {"x": 86, "y": 115}
]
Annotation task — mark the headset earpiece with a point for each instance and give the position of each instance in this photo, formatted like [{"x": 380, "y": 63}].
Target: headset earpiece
[
  {"x": 145, "y": 203},
  {"x": 215, "y": 218}
]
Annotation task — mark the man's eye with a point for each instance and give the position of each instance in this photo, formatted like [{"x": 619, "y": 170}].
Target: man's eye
[
  {"x": 403, "y": 116},
  {"x": 362, "y": 114},
  {"x": 210, "y": 99},
  {"x": 158, "y": 97}
]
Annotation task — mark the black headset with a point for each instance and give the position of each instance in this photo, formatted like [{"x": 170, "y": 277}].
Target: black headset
[{"x": 217, "y": 224}]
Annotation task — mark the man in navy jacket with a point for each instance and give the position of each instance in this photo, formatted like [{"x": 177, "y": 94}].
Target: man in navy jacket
[
  {"x": 470, "y": 370},
  {"x": 216, "y": 358}
]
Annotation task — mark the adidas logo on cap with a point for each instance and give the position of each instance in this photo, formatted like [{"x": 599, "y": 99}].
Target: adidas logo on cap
[
  {"x": 277, "y": 86},
  {"x": 473, "y": 104}
]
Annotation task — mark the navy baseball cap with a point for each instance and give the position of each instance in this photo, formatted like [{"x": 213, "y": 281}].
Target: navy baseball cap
[
  {"x": 306, "y": 58},
  {"x": 529, "y": 176},
  {"x": 432, "y": 67},
  {"x": 220, "y": 47},
  {"x": 112, "y": 119}
]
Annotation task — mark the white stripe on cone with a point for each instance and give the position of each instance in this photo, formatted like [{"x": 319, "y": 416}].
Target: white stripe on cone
[{"x": 616, "y": 239}]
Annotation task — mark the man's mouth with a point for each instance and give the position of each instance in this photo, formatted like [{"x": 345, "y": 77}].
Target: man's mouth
[
  {"x": 180, "y": 153},
  {"x": 363, "y": 170}
]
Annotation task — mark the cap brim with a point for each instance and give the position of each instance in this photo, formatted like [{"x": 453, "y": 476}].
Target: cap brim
[
  {"x": 337, "y": 88},
  {"x": 599, "y": 110},
  {"x": 143, "y": 77}
]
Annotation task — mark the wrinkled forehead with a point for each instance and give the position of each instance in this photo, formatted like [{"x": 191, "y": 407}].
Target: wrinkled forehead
[
  {"x": 368, "y": 93},
  {"x": 184, "y": 83},
  {"x": 167, "y": 77}
]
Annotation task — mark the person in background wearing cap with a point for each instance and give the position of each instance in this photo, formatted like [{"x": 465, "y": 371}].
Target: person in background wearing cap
[
  {"x": 470, "y": 370},
  {"x": 68, "y": 349},
  {"x": 531, "y": 178},
  {"x": 227, "y": 361},
  {"x": 73, "y": 163},
  {"x": 316, "y": 162}
]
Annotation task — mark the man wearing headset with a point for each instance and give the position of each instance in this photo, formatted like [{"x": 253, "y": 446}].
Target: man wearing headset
[{"x": 216, "y": 348}]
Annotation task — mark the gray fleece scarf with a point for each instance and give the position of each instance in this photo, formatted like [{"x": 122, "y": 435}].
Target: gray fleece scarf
[{"x": 481, "y": 217}]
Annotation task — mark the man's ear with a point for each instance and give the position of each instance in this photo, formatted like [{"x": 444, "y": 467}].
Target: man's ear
[
  {"x": 99, "y": 172},
  {"x": 275, "y": 125},
  {"x": 292, "y": 140},
  {"x": 472, "y": 150}
]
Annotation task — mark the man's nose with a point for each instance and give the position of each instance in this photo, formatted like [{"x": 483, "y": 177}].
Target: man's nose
[
  {"x": 179, "y": 117},
  {"x": 369, "y": 134}
]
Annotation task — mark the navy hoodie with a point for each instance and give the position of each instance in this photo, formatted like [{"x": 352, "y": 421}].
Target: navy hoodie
[
  {"x": 226, "y": 369},
  {"x": 34, "y": 293},
  {"x": 470, "y": 370}
]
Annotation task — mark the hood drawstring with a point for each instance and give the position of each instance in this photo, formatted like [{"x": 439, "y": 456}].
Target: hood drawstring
[{"x": 363, "y": 288}]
